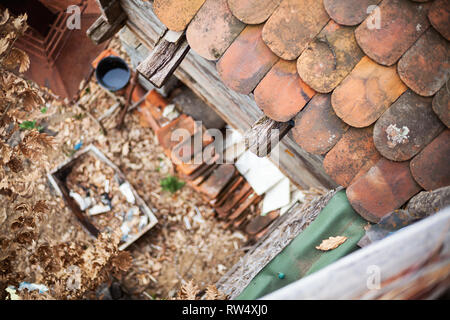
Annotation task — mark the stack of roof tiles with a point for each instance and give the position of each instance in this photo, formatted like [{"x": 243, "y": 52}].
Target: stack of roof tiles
[
  {"x": 220, "y": 183},
  {"x": 366, "y": 82}
]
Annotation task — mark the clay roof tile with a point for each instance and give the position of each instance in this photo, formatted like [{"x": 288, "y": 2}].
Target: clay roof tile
[
  {"x": 317, "y": 128},
  {"x": 329, "y": 57},
  {"x": 213, "y": 29},
  {"x": 281, "y": 94},
  {"x": 349, "y": 12},
  {"x": 282, "y": 32},
  {"x": 425, "y": 67},
  {"x": 391, "y": 29},
  {"x": 406, "y": 127},
  {"x": 430, "y": 167},
  {"x": 382, "y": 189},
  {"x": 176, "y": 15},
  {"x": 366, "y": 93},
  {"x": 439, "y": 16},
  {"x": 246, "y": 61},
  {"x": 253, "y": 11}
]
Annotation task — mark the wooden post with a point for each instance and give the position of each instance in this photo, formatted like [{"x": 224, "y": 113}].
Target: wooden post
[
  {"x": 164, "y": 59},
  {"x": 264, "y": 135}
]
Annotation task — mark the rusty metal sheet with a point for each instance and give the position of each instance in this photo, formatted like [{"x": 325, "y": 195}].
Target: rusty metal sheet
[
  {"x": 382, "y": 189},
  {"x": 261, "y": 222},
  {"x": 406, "y": 127},
  {"x": 253, "y": 11},
  {"x": 317, "y": 128},
  {"x": 366, "y": 93},
  {"x": 329, "y": 58},
  {"x": 350, "y": 154},
  {"x": 293, "y": 25},
  {"x": 441, "y": 104},
  {"x": 176, "y": 15},
  {"x": 425, "y": 67},
  {"x": 390, "y": 30},
  {"x": 246, "y": 61},
  {"x": 164, "y": 134},
  {"x": 232, "y": 201},
  {"x": 213, "y": 29},
  {"x": 349, "y": 12},
  {"x": 281, "y": 94},
  {"x": 430, "y": 168},
  {"x": 439, "y": 16},
  {"x": 217, "y": 180}
]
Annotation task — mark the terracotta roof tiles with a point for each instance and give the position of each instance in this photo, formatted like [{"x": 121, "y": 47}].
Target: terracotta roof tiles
[
  {"x": 282, "y": 32},
  {"x": 349, "y": 12},
  {"x": 389, "y": 31},
  {"x": 406, "y": 127},
  {"x": 175, "y": 14},
  {"x": 246, "y": 61},
  {"x": 213, "y": 29},
  {"x": 253, "y": 11},
  {"x": 379, "y": 139},
  {"x": 281, "y": 94}
]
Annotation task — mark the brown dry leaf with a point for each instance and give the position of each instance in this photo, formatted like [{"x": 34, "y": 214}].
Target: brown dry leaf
[
  {"x": 30, "y": 99},
  {"x": 189, "y": 291},
  {"x": 122, "y": 261},
  {"x": 20, "y": 23},
  {"x": 4, "y": 44},
  {"x": 5, "y": 153},
  {"x": 4, "y": 17},
  {"x": 331, "y": 243},
  {"x": 18, "y": 58},
  {"x": 213, "y": 294}
]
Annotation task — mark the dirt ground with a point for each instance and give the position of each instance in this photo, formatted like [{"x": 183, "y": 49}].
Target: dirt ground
[{"x": 187, "y": 242}]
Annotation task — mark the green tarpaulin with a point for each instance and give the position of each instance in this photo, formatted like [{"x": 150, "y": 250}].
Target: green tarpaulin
[{"x": 301, "y": 258}]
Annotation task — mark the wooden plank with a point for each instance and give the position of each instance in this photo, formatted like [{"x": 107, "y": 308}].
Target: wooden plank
[
  {"x": 101, "y": 30},
  {"x": 240, "y": 111},
  {"x": 264, "y": 135},
  {"x": 159, "y": 66},
  {"x": 110, "y": 9}
]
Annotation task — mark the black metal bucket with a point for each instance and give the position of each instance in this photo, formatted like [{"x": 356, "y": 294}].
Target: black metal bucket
[{"x": 112, "y": 73}]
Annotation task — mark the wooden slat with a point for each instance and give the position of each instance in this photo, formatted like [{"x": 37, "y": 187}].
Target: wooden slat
[
  {"x": 162, "y": 62},
  {"x": 101, "y": 30}
]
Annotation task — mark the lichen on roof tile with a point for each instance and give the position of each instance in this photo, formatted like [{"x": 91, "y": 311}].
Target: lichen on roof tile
[
  {"x": 349, "y": 12},
  {"x": 430, "y": 168},
  {"x": 406, "y": 127},
  {"x": 382, "y": 189},
  {"x": 391, "y": 29},
  {"x": 293, "y": 25},
  {"x": 253, "y": 11},
  {"x": 349, "y": 156},
  {"x": 246, "y": 61},
  {"x": 366, "y": 93},
  {"x": 176, "y": 14},
  {"x": 317, "y": 128},
  {"x": 441, "y": 104},
  {"x": 329, "y": 58},
  {"x": 439, "y": 16},
  {"x": 213, "y": 29},
  {"x": 425, "y": 67},
  {"x": 281, "y": 94}
]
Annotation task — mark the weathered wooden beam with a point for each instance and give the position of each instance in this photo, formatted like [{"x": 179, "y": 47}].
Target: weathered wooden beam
[
  {"x": 101, "y": 30},
  {"x": 163, "y": 60},
  {"x": 110, "y": 9},
  {"x": 264, "y": 135}
]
